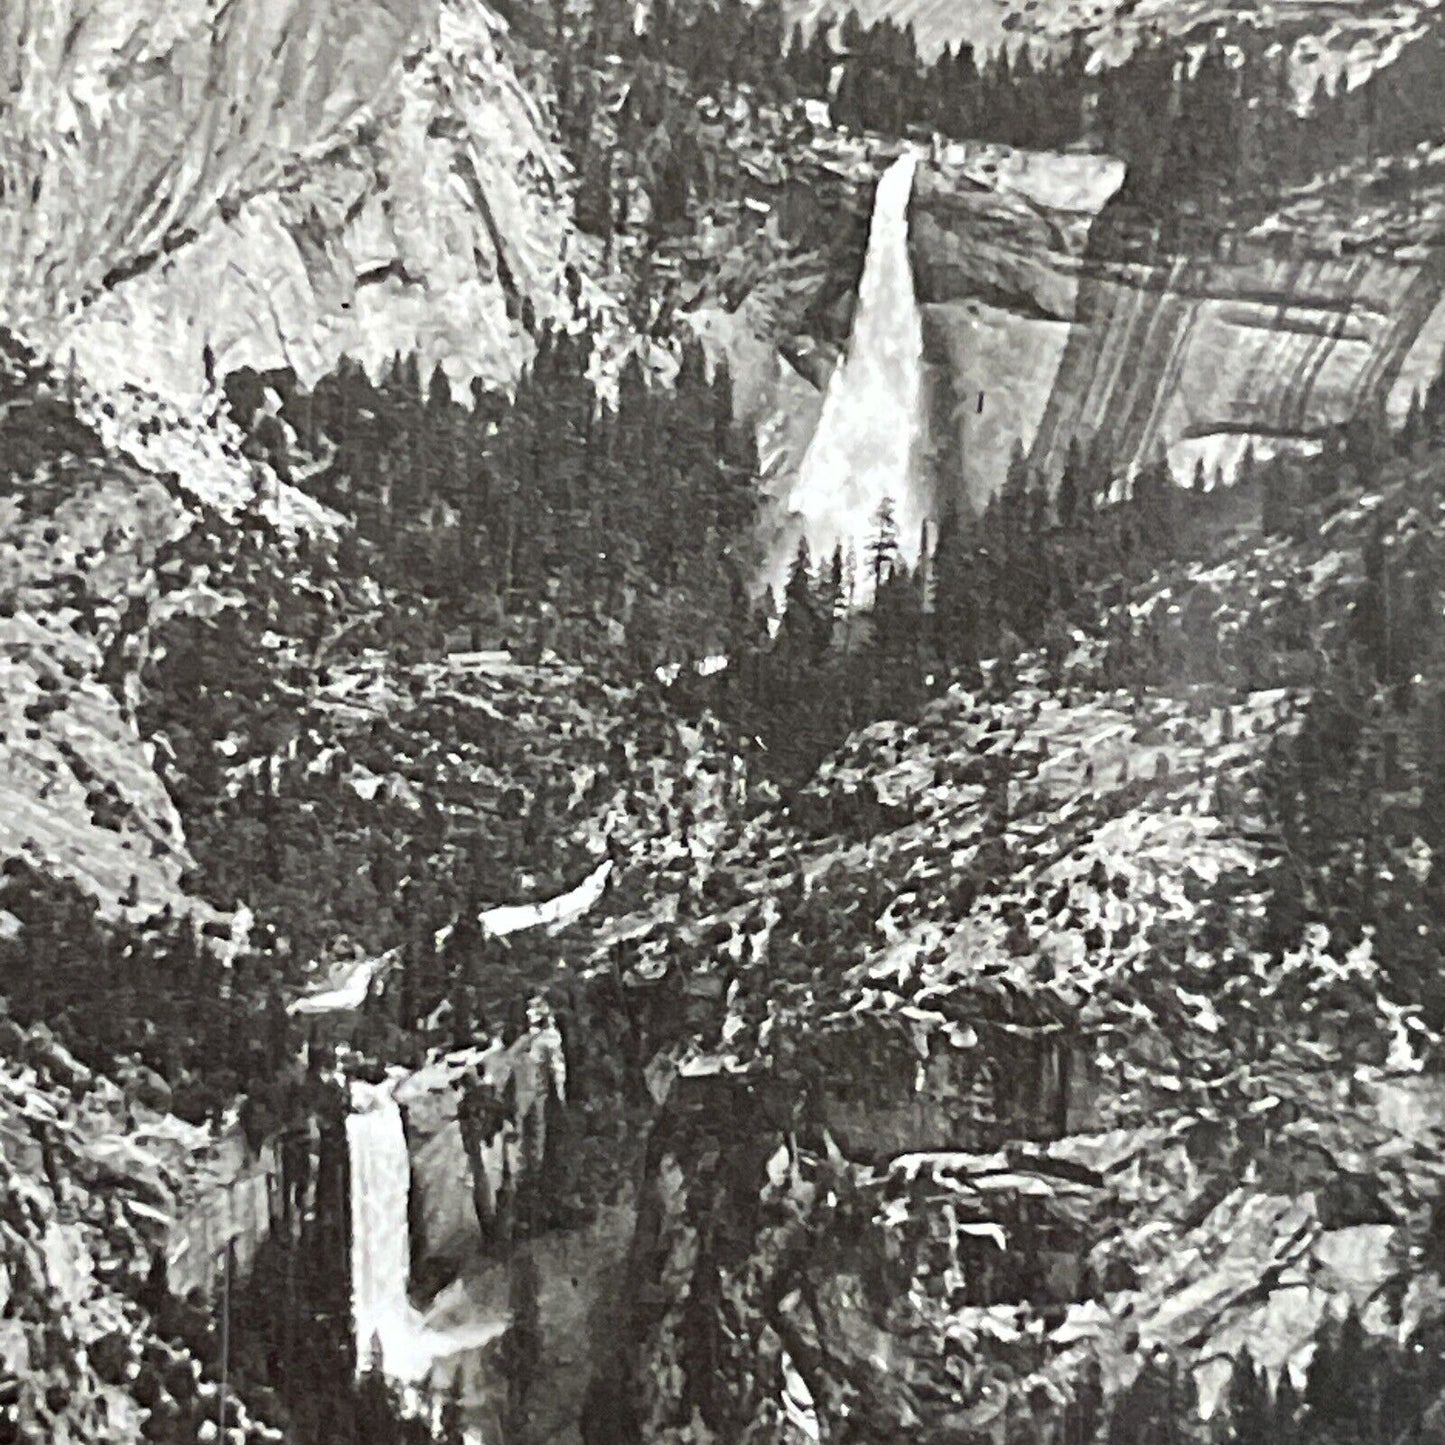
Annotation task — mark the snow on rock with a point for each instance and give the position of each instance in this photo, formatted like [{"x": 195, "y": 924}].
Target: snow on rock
[
  {"x": 350, "y": 992},
  {"x": 354, "y": 979},
  {"x": 550, "y": 913}
]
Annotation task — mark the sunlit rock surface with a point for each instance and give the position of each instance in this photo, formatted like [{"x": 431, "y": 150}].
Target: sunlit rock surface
[
  {"x": 284, "y": 185},
  {"x": 1049, "y": 313}
]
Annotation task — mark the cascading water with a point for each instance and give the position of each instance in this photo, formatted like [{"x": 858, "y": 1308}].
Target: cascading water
[
  {"x": 380, "y": 1246},
  {"x": 863, "y": 448},
  {"x": 380, "y": 1249}
]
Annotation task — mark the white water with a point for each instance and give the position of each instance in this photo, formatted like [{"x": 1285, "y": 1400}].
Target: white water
[
  {"x": 551, "y": 913},
  {"x": 565, "y": 908},
  {"x": 863, "y": 448},
  {"x": 348, "y": 995},
  {"x": 351, "y": 992},
  {"x": 381, "y": 1248}
]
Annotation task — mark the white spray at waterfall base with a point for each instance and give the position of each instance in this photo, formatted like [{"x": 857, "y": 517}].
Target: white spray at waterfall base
[
  {"x": 863, "y": 449},
  {"x": 381, "y": 1246}
]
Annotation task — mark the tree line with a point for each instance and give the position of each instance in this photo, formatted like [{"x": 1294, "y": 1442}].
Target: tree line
[
  {"x": 1200, "y": 127},
  {"x": 1358, "y": 1390},
  {"x": 855, "y": 639},
  {"x": 551, "y": 499}
]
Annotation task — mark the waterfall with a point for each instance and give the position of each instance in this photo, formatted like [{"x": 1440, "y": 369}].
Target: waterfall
[
  {"x": 381, "y": 1246},
  {"x": 863, "y": 448}
]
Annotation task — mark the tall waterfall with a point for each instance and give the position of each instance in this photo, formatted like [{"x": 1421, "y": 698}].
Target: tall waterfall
[
  {"x": 863, "y": 448},
  {"x": 381, "y": 1245}
]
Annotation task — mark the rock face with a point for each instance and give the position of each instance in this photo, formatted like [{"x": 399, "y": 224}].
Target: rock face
[
  {"x": 513, "y": 1078},
  {"x": 1052, "y": 313},
  {"x": 960, "y": 1158},
  {"x": 462, "y": 1275},
  {"x": 94, "y": 1188},
  {"x": 235, "y": 1203},
  {"x": 285, "y": 185}
]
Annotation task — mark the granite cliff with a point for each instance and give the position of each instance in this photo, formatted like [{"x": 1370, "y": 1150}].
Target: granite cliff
[{"x": 1053, "y": 311}]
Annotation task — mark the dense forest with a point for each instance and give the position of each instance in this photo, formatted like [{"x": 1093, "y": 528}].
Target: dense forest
[
  {"x": 549, "y": 501},
  {"x": 1358, "y": 1389},
  {"x": 1033, "y": 567},
  {"x": 617, "y": 531},
  {"x": 1205, "y": 125}
]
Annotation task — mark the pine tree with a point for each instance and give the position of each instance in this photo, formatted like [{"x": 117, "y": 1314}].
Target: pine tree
[
  {"x": 1370, "y": 622},
  {"x": 554, "y": 1176},
  {"x": 594, "y": 210},
  {"x": 1286, "y": 1429},
  {"x": 806, "y": 624},
  {"x": 1153, "y": 502},
  {"x": 451, "y": 1420},
  {"x": 1413, "y": 431},
  {"x": 522, "y": 1344},
  {"x": 799, "y": 590},
  {"x": 897, "y": 633},
  {"x": 836, "y": 594},
  {"x": 1433, "y": 409},
  {"x": 883, "y": 545},
  {"x": 955, "y": 606},
  {"x": 1073, "y": 487},
  {"x": 1325, "y": 1386},
  {"x": 1250, "y": 1413},
  {"x": 1367, "y": 444}
]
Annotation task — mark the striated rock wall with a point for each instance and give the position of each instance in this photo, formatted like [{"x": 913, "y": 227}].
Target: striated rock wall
[
  {"x": 1051, "y": 312},
  {"x": 238, "y": 1197},
  {"x": 445, "y": 1228}
]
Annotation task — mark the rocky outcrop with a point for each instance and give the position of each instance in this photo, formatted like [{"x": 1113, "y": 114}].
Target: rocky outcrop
[
  {"x": 89, "y": 532},
  {"x": 283, "y": 186},
  {"x": 1053, "y": 312},
  {"x": 95, "y": 1189},
  {"x": 235, "y": 1197},
  {"x": 476, "y": 1123},
  {"x": 1008, "y": 1104},
  {"x": 476, "y": 1127}
]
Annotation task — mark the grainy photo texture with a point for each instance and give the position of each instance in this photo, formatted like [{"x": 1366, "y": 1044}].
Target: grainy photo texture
[{"x": 722, "y": 722}]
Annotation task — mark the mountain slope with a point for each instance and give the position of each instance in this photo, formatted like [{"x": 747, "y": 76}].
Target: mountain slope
[
  {"x": 282, "y": 184},
  {"x": 1035, "y": 1062}
]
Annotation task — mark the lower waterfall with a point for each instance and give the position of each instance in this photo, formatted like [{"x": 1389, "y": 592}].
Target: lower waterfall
[{"x": 380, "y": 1247}]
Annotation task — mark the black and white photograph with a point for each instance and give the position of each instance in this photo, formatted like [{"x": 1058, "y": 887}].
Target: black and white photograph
[{"x": 722, "y": 722}]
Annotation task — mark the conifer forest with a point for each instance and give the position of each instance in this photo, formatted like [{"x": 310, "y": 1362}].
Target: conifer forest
[{"x": 722, "y": 722}]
